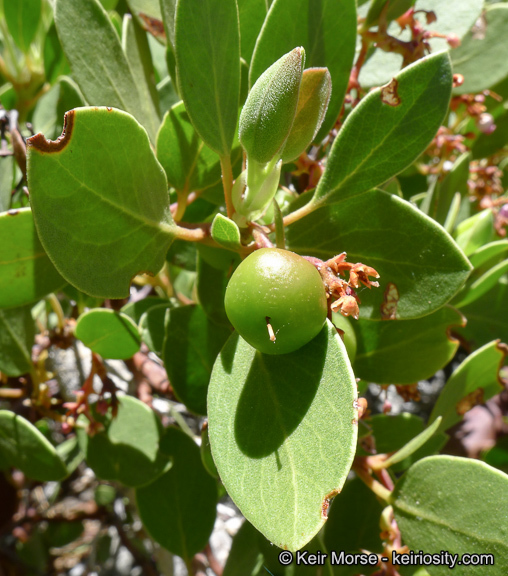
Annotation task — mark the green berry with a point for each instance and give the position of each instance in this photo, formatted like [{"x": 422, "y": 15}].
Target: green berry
[{"x": 276, "y": 301}]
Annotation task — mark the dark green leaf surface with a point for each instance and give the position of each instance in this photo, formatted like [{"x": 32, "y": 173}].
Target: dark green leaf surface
[
  {"x": 429, "y": 506},
  {"x": 487, "y": 317},
  {"x": 26, "y": 272},
  {"x": 207, "y": 44},
  {"x": 104, "y": 224},
  {"x": 22, "y": 17},
  {"x": 481, "y": 58},
  {"x": 128, "y": 449},
  {"x": 327, "y": 31},
  {"x": 405, "y": 351},
  {"x": 152, "y": 327},
  {"x": 378, "y": 139},
  {"x": 135, "y": 310},
  {"x": 190, "y": 348},
  {"x": 353, "y": 520},
  {"x": 211, "y": 287},
  {"x": 24, "y": 447},
  {"x": 416, "y": 255},
  {"x": 178, "y": 509},
  {"x": 480, "y": 370},
  {"x": 189, "y": 164},
  {"x": 108, "y": 333},
  {"x": 102, "y": 71},
  {"x": 245, "y": 555},
  {"x": 55, "y": 63},
  {"x": 392, "y": 432},
  {"x": 283, "y": 432},
  {"x": 17, "y": 332}
]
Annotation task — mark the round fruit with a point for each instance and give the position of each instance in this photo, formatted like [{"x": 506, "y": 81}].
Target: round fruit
[{"x": 276, "y": 301}]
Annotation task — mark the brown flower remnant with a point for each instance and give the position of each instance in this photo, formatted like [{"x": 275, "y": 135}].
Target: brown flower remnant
[
  {"x": 475, "y": 108},
  {"x": 445, "y": 146},
  {"x": 341, "y": 293}
]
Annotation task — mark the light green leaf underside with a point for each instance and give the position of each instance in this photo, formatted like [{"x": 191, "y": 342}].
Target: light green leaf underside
[
  {"x": 26, "y": 272},
  {"x": 406, "y": 248},
  {"x": 102, "y": 71},
  {"x": 101, "y": 217},
  {"x": 379, "y": 140},
  {"x": 429, "y": 506},
  {"x": 23, "y": 446},
  {"x": 283, "y": 432},
  {"x": 17, "y": 332}
]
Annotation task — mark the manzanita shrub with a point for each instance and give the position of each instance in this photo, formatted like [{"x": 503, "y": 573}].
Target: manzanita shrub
[{"x": 220, "y": 221}]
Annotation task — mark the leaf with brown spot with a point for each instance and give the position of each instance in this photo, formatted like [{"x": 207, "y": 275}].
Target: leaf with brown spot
[{"x": 389, "y": 93}]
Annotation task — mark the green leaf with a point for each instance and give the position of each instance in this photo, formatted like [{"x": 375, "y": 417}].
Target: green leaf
[
  {"x": 315, "y": 92},
  {"x": 427, "y": 268},
  {"x": 24, "y": 447},
  {"x": 482, "y": 284},
  {"x": 128, "y": 449},
  {"x": 206, "y": 452},
  {"x": 22, "y": 17},
  {"x": 251, "y": 14},
  {"x": 392, "y": 432},
  {"x": 413, "y": 445},
  {"x": 472, "y": 233},
  {"x": 481, "y": 58},
  {"x": 245, "y": 555},
  {"x": 353, "y": 520},
  {"x": 6, "y": 183},
  {"x": 487, "y": 317},
  {"x": 368, "y": 149},
  {"x": 329, "y": 41},
  {"x": 189, "y": 164},
  {"x": 473, "y": 382},
  {"x": 17, "y": 333},
  {"x": 211, "y": 287},
  {"x": 104, "y": 224},
  {"x": 55, "y": 63},
  {"x": 102, "y": 71},
  {"x": 283, "y": 432},
  {"x": 178, "y": 509},
  {"x": 70, "y": 452},
  {"x": 405, "y": 351},
  {"x": 207, "y": 44},
  {"x": 135, "y": 310},
  {"x": 26, "y": 272},
  {"x": 108, "y": 333},
  {"x": 137, "y": 51},
  {"x": 149, "y": 7},
  {"x": 152, "y": 327},
  {"x": 191, "y": 345},
  {"x": 270, "y": 109},
  {"x": 225, "y": 232},
  {"x": 488, "y": 252},
  {"x": 429, "y": 506}
]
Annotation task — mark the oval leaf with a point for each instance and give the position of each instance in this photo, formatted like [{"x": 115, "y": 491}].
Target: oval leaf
[
  {"x": 283, "y": 432},
  {"x": 178, "y": 509},
  {"x": 207, "y": 44},
  {"x": 327, "y": 31},
  {"x": 226, "y": 232},
  {"x": 128, "y": 449},
  {"x": 108, "y": 333},
  {"x": 17, "y": 333},
  {"x": 363, "y": 226},
  {"x": 23, "y": 446},
  {"x": 405, "y": 351},
  {"x": 26, "y": 272},
  {"x": 104, "y": 224},
  {"x": 385, "y": 133},
  {"x": 428, "y": 503}
]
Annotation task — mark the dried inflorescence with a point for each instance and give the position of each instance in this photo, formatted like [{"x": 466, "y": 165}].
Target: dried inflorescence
[{"x": 341, "y": 293}]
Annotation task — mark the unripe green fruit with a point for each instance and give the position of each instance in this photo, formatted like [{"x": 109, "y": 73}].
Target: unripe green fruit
[{"x": 281, "y": 289}]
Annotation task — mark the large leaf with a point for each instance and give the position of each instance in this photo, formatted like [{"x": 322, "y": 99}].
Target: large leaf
[
  {"x": 102, "y": 70},
  {"x": 128, "y": 449},
  {"x": 252, "y": 14},
  {"x": 22, "y": 18},
  {"x": 382, "y": 137},
  {"x": 327, "y": 31},
  {"x": 405, "y": 351},
  {"x": 191, "y": 345},
  {"x": 101, "y": 217},
  {"x": 17, "y": 332},
  {"x": 23, "y": 446},
  {"x": 283, "y": 432},
  {"x": 189, "y": 164},
  {"x": 416, "y": 255},
  {"x": 473, "y": 382},
  {"x": 207, "y": 44},
  {"x": 429, "y": 506},
  {"x": 108, "y": 333},
  {"x": 26, "y": 272},
  {"x": 481, "y": 58},
  {"x": 178, "y": 509}
]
